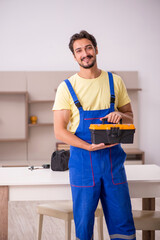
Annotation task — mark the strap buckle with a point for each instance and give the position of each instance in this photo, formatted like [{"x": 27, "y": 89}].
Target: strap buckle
[
  {"x": 77, "y": 103},
  {"x": 112, "y": 98}
]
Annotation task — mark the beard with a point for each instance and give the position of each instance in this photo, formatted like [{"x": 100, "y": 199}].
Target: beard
[{"x": 89, "y": 65}]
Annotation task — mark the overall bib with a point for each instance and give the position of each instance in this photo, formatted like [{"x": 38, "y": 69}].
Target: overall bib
[{"x": 99, "y": 175}]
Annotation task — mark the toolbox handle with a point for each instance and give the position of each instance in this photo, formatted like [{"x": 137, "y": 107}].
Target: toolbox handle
[{"x": 104, "y": 120}]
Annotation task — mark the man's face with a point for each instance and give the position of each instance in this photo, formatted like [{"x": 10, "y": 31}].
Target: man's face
[{"x": 85, "y": 53}]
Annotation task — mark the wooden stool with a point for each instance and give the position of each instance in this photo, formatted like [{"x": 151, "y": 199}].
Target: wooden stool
[
  {"x": 146, "y": 220},
  {"x": 63, "y": 210}
]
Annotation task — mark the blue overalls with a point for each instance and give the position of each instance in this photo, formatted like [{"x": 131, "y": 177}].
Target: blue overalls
[{"x": 99, "y": 175}]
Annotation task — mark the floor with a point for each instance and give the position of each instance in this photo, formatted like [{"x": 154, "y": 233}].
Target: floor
[{"x": 23, "y": 223}]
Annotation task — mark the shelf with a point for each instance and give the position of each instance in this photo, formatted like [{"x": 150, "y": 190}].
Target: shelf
[
  {"x": 40, "y": 101},
  {"x": 134, "y": 153},
  {"x": 36, "y": 109},
  {"x": 40, "y": 124},
  {"x": 134, "y": 89},
  {"x": 133, "y": 162},
  {"x": 13, "y": 92},
  {"x": 13, "y": 140}
]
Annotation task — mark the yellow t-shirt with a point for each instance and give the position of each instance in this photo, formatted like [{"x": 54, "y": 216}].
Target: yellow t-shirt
[{"x": 93, "y": 94}]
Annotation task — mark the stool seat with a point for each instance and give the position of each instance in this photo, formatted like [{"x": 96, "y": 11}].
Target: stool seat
[
  {"x": 58, "y": 209},
  {"x": 146, "y": 220},
  {"x": 64, "y": 210}
]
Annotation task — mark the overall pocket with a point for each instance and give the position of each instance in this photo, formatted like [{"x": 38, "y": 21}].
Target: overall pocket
[
  {"x": 117, "y": 158},
  {"x": 80, "y": 168}
]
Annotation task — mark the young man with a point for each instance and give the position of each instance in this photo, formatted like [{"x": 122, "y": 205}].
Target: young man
[{"x": 96, "y": 170}]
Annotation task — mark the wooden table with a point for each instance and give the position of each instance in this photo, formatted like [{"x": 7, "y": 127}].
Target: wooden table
[{"x": 21, "y": 184}]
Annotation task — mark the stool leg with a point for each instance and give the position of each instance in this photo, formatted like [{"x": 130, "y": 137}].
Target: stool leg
[
  {"x": 40, "y": 223},
  {"x": 100, "y": 227},
  {"x": 68, "y": 230}
]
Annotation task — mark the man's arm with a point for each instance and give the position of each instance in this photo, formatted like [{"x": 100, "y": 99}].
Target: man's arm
[
  {"x": 125, "y": 113},
  {"x": 61, "y": 120}
]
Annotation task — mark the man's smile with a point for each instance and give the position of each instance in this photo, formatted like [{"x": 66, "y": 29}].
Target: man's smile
[{"x": 86, "y": 59}]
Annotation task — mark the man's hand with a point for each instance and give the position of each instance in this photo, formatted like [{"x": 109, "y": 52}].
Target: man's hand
[
  {"x": 125, "y": 113},
  {"x": 113, "y": 117},
  {"x": 95, "y": 147}
]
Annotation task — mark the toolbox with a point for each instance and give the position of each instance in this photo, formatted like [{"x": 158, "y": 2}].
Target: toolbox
[{"x": 112, "y": 133}]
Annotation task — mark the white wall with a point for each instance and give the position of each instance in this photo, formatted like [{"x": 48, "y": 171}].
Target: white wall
[{"x": 34, "y": 35}]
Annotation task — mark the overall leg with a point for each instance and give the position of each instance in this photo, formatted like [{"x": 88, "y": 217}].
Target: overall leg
[
  {"x": 115, "y": 198},
  {"x": 85, "y": 186},
  {"x": 117, "y": 211},
  {"x": 85, "y": 201}
]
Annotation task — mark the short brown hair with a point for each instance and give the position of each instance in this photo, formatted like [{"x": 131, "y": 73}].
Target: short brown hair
[{"x": 82, "y": 34}]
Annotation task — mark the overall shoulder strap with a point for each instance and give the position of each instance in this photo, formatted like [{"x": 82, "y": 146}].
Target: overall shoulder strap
[
  {"x": 111, "y": 83},
  {"x": 72, "y": 92}
]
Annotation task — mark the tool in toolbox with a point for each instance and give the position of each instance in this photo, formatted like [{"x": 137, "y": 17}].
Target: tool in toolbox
[{"x": 112, "y": 133}]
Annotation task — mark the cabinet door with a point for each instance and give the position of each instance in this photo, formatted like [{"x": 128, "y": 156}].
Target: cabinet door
[{"x": 13, "y": 114}]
